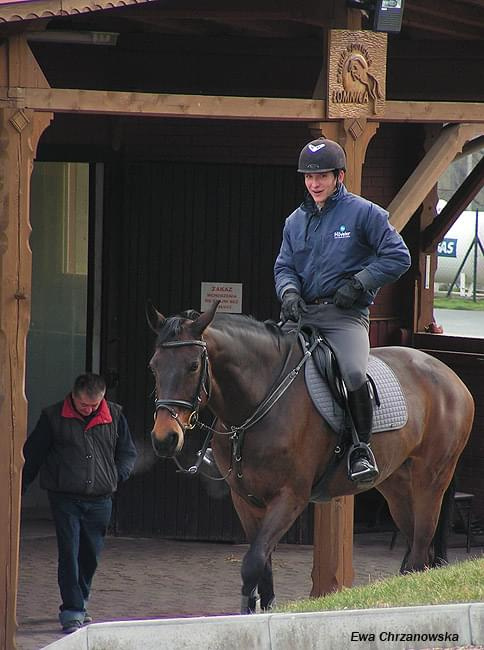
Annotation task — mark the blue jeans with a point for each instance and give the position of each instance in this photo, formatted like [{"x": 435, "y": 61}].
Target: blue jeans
[{"x": 81, "y": 527}]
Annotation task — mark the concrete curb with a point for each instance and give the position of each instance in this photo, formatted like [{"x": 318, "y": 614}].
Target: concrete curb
[{"x": 397, "y": 628}]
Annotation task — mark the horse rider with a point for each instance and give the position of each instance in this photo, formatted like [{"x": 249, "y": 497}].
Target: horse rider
[{"x": 338, "y": 249}]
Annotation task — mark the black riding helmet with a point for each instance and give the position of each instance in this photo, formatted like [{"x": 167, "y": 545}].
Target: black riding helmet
[{"x": 321, "y": 155}]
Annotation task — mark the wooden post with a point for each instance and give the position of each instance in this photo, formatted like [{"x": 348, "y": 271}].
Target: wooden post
[
  {"x": 20, "y": 131},
  {"x": 333, "y": 521},
  {"x": 427, "y": 262}
]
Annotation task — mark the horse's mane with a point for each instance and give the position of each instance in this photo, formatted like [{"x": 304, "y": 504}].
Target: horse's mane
[{"x": 236, "y": 324}]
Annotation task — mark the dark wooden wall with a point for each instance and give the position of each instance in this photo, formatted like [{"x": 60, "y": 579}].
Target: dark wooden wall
[{"x": 170, "y": 226}]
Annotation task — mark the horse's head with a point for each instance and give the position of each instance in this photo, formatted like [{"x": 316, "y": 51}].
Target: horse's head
[{"x": 182, "y": 376}]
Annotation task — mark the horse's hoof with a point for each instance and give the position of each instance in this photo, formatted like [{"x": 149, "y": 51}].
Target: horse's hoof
[
  {"x": 269, "y": 606},
  {"x": 248, "y": 604}
]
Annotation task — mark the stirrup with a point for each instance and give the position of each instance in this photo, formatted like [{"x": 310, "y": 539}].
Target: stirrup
[
  {"x": 208, "y": 460},
  {"x": 367, "y": 458}
]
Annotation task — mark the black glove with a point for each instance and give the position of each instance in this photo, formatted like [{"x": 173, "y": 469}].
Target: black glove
[
  {"x": 348, "y": 293},
  {"x": 292, "y": 306}
]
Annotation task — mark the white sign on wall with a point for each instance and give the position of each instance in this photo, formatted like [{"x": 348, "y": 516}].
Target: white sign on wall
[{"x": 230, "y": 296}]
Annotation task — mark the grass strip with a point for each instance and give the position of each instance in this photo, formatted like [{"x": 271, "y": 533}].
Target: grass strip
[{"x": 457, "y": 583}]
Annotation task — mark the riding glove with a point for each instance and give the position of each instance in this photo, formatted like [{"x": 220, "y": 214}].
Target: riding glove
[
  {"x": 346, "y": 296},
  {"x": 292, "y": 306}
]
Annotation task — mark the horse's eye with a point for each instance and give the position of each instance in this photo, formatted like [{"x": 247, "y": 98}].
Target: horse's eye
[{"x": 194, "y": 366}]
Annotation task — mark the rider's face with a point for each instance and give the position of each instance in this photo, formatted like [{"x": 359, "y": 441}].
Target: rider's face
[{"x": 322, "y": 185}]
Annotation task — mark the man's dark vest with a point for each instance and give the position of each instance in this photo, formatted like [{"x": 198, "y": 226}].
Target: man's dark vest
[{"x": 81, "y": 461}]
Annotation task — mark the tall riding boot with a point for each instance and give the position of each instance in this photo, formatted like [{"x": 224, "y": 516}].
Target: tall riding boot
[{"x": 362, "y": 464}]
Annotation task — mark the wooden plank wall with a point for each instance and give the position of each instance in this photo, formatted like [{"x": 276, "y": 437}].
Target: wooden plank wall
[{"x": 179, "y": 224}]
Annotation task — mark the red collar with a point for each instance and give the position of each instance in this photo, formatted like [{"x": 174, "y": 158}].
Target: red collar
[{"x": 102, "y": 415}]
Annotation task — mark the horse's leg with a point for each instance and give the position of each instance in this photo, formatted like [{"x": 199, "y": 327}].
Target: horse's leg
[
  {"x": 266, "y": 587},
  {"x": 398, "y": 495},
  {"x": 443, "y": 527},
  {"x": 427, "y": 508},
  {"x": 417, "y": 515},
  {"x": 264, "y": 534},
  {"x": 250, "y": 518}
]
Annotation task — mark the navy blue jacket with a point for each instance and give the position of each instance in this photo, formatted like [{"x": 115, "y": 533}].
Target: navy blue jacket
[{"x": 349, "y": 236}]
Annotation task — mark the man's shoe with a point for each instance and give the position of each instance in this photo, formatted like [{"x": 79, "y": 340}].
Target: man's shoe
[
  {"x": 362, "y": 465},
  {"x": 71, "y": 626},
  {"x": 87, "y": 618}
]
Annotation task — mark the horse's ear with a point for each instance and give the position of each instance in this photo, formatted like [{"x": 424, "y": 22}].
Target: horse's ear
[
  {"x": 203, "y": 321},
  {"x": 154, "y": 318}
]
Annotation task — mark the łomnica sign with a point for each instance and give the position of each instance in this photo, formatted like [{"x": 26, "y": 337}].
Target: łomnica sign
[{"x": 356, "y": 73}]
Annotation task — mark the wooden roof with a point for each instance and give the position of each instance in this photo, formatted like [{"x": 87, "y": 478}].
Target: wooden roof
[{"x": 439, "y": 19}]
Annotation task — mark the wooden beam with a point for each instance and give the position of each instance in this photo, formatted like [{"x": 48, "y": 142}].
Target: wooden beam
[
  {"x": 107, "y": 102},
  {"x": 440, "y": 112},
  {"x": 434, "y": 233},
  {"x": 104, "y": 102},
  {"x": 20, "y": 130},
  {"x": 471, "y": 147},
  {"x": 428, "y": 171}
]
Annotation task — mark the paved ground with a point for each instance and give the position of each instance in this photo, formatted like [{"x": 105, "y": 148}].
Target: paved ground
[
  {"x": 460, "y": 322},
  {"x": 158, "y": 578}
]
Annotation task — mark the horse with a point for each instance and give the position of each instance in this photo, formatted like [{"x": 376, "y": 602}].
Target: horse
[{"x": 272, "y": 452}]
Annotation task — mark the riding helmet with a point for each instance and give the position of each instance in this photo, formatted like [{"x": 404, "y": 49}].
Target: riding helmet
[{"x": 321, "y": 155}]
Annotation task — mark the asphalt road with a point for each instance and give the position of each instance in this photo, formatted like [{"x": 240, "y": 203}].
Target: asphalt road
[{"x": 461, "y": 322}]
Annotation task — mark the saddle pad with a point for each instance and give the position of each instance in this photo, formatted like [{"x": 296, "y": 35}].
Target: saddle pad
[{"x": 392, "y": 412}]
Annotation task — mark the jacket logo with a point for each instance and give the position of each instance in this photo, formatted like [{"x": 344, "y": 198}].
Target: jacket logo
[{"x": 342, "y": 233}]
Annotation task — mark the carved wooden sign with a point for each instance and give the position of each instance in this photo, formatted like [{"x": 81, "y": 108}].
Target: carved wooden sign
[{"x": 356, "y": 73}]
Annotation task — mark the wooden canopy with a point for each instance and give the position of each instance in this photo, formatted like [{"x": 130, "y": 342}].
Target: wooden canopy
[{"x": 30, "y": 94}]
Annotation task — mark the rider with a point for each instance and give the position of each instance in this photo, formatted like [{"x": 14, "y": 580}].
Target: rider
[{"x": 337, "y": 250}]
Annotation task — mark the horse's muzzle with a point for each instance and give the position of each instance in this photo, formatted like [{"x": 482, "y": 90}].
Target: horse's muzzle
[{"x": 167, "y": 447}]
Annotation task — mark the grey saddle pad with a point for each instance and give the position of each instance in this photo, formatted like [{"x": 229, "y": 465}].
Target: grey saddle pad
[{"x": 392, "y": 412}]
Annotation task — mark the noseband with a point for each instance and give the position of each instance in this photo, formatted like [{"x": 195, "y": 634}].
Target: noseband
[{"x": 203, "y": 385}]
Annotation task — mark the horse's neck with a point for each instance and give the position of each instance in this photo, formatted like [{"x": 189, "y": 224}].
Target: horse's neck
[{"x": 243, "y": 371}]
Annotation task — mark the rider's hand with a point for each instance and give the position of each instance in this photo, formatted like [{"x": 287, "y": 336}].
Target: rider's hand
[
  {"x": 348, "y": 293},
  {"x": 292, "y": 306}
]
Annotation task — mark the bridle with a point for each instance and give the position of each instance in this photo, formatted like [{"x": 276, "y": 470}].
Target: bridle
[
  {"x": 236, "y": 433},
  {"x": 204, "y": 385}
]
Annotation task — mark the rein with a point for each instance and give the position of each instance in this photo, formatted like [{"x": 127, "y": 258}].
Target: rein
[{"x": 236, "y": 433}]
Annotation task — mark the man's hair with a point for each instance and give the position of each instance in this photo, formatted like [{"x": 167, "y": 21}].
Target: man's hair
[{"x": 90, "y": 384}]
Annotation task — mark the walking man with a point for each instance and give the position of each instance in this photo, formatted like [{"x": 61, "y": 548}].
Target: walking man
[{"x": 83, "y": 449}]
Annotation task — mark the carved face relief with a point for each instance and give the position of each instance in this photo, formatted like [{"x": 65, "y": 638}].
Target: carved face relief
[{"x": 356, "y": 82}]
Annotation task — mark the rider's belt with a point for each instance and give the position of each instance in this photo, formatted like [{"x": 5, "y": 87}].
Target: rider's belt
[{"x": 321, "y": 301}]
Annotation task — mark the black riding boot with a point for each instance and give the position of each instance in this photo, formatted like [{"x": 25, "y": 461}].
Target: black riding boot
[{"x": 362, "y": 464}]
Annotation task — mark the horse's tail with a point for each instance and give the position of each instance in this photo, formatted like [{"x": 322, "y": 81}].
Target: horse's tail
[{"x": 444, "y": 524}]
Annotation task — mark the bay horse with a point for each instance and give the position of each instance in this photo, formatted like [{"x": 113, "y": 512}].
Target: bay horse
[{"x": 272, "y": 455}]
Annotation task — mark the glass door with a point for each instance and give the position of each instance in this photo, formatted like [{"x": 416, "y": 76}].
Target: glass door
[{"x": 56, "y": 345}]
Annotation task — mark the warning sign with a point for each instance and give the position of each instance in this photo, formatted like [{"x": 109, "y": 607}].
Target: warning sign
[{"x": 230, "y": 296}]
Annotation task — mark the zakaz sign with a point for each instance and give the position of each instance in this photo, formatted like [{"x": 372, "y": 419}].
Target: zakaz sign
[{"x": 230, "y": 296}]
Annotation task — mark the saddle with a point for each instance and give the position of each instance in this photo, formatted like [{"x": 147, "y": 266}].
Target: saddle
[{"x": 329, "y": 395}]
